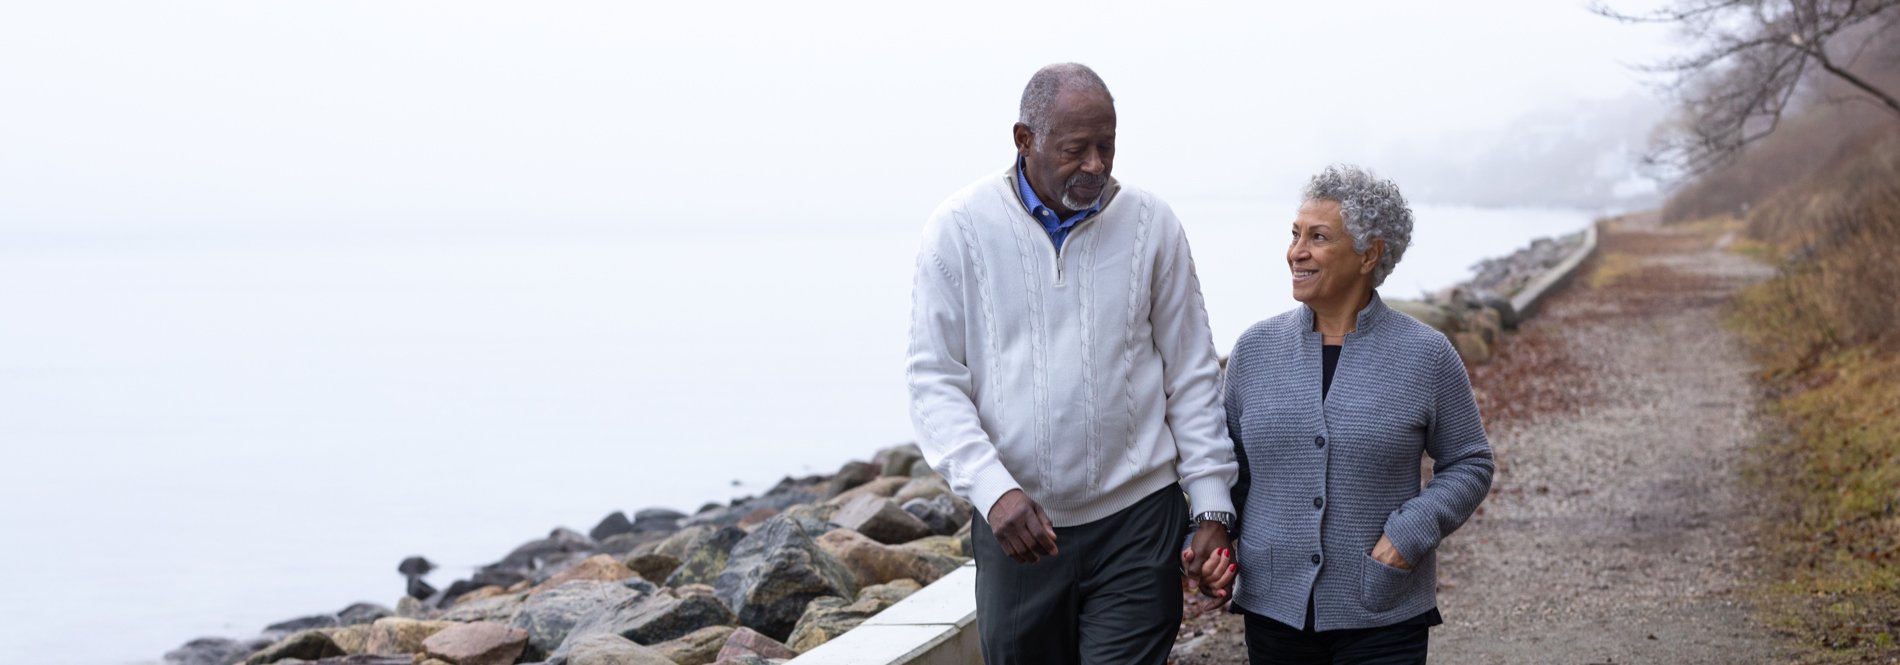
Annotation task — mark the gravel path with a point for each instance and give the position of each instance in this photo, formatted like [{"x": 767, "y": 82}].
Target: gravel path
[{"x": 1617, "y": 529}]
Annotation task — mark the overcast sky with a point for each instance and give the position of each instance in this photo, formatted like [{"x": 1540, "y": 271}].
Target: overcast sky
[{"x": 154, "y": 119}]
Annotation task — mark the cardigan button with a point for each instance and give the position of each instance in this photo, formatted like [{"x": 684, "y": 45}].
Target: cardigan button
[
  {"x": 1318, "y": 502},
  {"x": 1319, "y": 442},
  {"x": 1316, "y": 559}
]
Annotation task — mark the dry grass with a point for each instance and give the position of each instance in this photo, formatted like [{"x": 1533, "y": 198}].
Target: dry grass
[{"x": 1824, "y": 332}]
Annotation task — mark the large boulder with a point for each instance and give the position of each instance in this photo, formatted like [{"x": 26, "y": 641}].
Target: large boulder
[
  {"x": 881, "y": 519},
  {"x": 561, "y": 545},
  {"x": 746, "y": 642},
  {"x": 353, "y": 640},
  {"x": 852, "y": 474},
  {"x": 927, "y": 487},
  {"x": 301, "y": 624},
  {"x": 896, "y": 460},
  {"x": 707, "y": 559},
  {"x": 871, "y": 562},
  {"x": 657, "y": 520},
  {"x": 502, "y": 608},
  {"x": 218, "y": 651},
  {"x": 611, "y": 649},
  {"x": 612, "y": 525},
  {"x": 774, "y": 572},
  {"x": 813, "y": 518},
  {"x": 652, "y": 566},
  {"x": 947, "y": 546},
  {"x": 362, "y": 613},
  {"x": 395, "y": 636},
  {"x": 306, "y": 645},
  {"x": 652, "y": 619},
  {"x": 939, "y": 513},
  {"x": 480, "y": 643},
  {"x": 695, "y": 648},
  {"x": 828, "y": 617},
  {"x": 599, "y": 567},
  {"x": 550, "y": 614},
  {"x": 788, "y": 492},
  {"x": 682, "y": 542},
  {"x": 882, "y": 487}
]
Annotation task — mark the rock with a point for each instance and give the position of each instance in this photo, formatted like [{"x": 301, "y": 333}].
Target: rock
[
  {"x": 301, "y": 624},
  {"x": 920, "y": 469},
  {"x": 708, "y": 558},
  {"x": 757, "y": 516},
  {"x": 852, "y": 474},
  {"x": 696, "y": 648},
  {"x": 611, "y": 649},
  {"x": 362, "y": 613},
  {"x": 395, "y": 636},
  {"x": 550, "y": 614},
  {"x": 786, "y": 494},
  {"x": 947, "y": 546},
  {"x": 1472, "y": 347},
  {"x": 880, "y": 519},
  {"x": 747, "y": 642},
  {"x": 963, "y": 539},
  {"x": 896, "y": 460},
  {"x": 774, "y": 572},
  {"x": 560, "y": 545},
  {"x": 813, "y": 518},
  {"x": 1437, "y": 316},
  {"x": 613, "y": 525},
  {"x": 657, "y": 520},
  {"x": 408, "y": 607},
  {"x": 307, "y": 645},
  {"x": 882, "y": 488},
  {"x": 353, "y": 640},
  {"x": 218, "y": 651},
  {"x": 414, "y": 566},
  {"x": 557, "y": 564},
  {"x": 360, "y": 659},
  {"x": 419, "y": 589},
  {"x": 871, "y": 562},
  {"x": 626, "y": 543},
  {"x": 654, "y": 619},
  {"x": 599, "y": 567},
  {"x": 653, "y": 566},
  {"x": 480, "y": 643},
  {"x": 502, "y": 608},
  {"x": 939, "y": 514},
  {"x": 683, "y": 542},
  {"x": 927, "y": 487},
  {"x": 486, "y": 592},
  {"x": 830, "y": 616}
]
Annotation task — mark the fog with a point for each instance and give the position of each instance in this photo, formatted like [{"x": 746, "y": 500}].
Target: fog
[{"x": 137, "y": 120}]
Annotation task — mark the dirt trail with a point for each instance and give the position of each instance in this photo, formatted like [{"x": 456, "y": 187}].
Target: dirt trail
[{"x": 1618, "y": 527}]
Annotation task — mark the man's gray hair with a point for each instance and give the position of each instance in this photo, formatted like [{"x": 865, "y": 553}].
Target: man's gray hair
[
  {"x": 1371, "y": 206},
  {"x": 1039, "y": 97}
]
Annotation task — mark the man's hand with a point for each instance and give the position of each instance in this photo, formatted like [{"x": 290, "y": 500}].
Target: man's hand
[
  {"x": 1385, "y": 553},
  {"x": 1021, "y": 528},
  {"x": 1209, "y": 561}
]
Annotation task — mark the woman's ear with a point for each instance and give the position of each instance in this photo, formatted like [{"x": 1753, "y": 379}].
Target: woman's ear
[{"x": 1370, "y": 259}]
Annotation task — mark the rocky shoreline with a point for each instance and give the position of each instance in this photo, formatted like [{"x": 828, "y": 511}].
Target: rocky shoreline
[
  {"x": 1475, "y": 313},
  {"x": 757, "y": 580}
]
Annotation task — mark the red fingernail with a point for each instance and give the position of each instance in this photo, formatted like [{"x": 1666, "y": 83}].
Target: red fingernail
[{"x": 1232, "y": 566}]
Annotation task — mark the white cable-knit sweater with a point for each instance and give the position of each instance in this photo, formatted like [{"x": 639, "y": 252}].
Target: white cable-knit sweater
[{"x": 1087, "y": 377}]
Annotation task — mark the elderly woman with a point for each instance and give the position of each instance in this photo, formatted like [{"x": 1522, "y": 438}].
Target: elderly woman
[{"x": 1329, "y": 406}]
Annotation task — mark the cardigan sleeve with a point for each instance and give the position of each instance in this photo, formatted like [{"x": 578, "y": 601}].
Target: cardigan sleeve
[
  {"x": 942, "y": 410},
  {"x": 1461, "y": 464},
  {"x": 1190, "y": 373}
]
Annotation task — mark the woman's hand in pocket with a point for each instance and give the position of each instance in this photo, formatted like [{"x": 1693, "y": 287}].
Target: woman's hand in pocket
[{"x": 1385, "y": 553}]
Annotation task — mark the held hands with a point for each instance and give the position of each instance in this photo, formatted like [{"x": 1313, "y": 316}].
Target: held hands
[
  {"x": 1385, "y": 553},
  {"x": 1208, "y": 563},
  {"x": 1021, "y": 528}
]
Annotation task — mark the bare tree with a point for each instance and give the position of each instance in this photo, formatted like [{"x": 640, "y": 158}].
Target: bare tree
[{"x": 1752, "y": 57}]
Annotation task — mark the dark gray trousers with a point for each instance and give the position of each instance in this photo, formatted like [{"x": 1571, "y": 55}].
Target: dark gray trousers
[{"x": 1111, "y": 597}]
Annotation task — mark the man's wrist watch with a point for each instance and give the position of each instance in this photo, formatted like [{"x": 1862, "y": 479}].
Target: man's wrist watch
[{"x": 1226, "y": 519}]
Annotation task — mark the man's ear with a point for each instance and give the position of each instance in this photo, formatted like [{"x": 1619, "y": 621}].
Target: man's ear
[
  {"x": 1024, "y": 138},
  {"x": 1370, "y": 259}
]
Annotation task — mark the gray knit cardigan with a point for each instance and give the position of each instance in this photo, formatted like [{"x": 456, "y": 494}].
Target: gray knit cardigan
[{"x": 1322, "y": 478}]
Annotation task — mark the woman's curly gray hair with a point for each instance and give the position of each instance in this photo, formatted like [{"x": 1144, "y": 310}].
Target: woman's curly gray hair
[{"x": 1372, "y": 208}]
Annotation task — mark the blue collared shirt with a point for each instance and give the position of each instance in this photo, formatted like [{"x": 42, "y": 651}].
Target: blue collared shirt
[{"x": 1057, "y": 226}]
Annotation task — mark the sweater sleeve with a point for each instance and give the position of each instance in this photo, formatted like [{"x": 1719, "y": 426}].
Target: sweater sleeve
[
  {"x": 1461, "y": 465},
  {"x": 1190, "y": 374},
  {"x": 1243, "y": 480},
  {"x": 942, "y": 408}
]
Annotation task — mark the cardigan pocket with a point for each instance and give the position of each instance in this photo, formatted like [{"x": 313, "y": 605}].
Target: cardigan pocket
[{"x": 1381, "y": 586}]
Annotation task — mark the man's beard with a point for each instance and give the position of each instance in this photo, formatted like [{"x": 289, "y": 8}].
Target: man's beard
[{"x": 1100, "y": 182}]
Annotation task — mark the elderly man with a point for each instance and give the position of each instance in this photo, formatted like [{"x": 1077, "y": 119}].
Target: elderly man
[{"x": 1063, "y": 378}]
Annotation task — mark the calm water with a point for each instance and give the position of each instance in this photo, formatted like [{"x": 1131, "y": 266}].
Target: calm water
[{"x": 205, "y": 436}]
